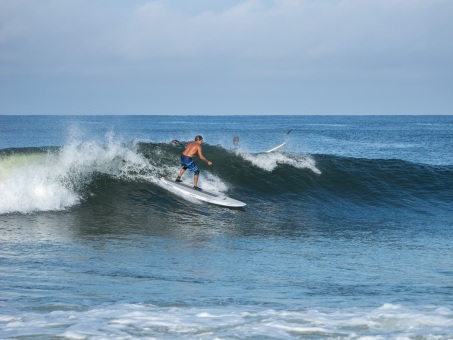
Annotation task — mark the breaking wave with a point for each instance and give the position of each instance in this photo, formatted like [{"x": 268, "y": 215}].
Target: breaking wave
[{"x": 53, "y": 179}]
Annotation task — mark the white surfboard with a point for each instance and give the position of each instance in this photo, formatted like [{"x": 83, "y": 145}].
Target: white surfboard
[
  {"x": 205, "y": 196},
  {"x": 276, "y": 148}
]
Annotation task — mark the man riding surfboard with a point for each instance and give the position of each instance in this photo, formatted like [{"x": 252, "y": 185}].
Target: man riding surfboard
[{"x": 192, "y": 149}]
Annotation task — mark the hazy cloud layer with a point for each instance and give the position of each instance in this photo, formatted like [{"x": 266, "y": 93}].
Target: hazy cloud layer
[{"x": 226, "y": 57}]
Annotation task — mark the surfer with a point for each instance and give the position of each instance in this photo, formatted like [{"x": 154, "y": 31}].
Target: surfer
[{"x": 192, "y": 149}]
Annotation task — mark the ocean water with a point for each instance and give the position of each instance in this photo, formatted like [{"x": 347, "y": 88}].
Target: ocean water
[{"x": 347, "y": 232}]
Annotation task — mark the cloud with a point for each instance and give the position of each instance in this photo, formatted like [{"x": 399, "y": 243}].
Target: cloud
[
  {"x": 354, "y": 44},
  {"x": 380, "y": 31}
]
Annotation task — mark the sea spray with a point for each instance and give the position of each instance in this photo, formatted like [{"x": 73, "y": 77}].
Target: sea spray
[
  {"x": 269, "y": 161},
  {"x": 52, "y": 180},
  {"x": 33, "y": 182}
]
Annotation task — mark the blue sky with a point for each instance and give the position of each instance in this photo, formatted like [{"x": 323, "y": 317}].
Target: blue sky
[{"x": 226, "y": 57}]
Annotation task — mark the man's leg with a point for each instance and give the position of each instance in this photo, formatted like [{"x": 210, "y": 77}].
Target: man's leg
[
  {"x": 195, "y": 180},
  {"x": 180, "y": 174},
  {"x": 195, "y": 177}
]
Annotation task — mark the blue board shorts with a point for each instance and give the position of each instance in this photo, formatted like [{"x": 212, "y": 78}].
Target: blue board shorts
[{"x": 188, "y": 163}]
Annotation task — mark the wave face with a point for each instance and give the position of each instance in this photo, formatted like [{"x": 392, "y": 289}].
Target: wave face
[{"x": 53, "y": 179}]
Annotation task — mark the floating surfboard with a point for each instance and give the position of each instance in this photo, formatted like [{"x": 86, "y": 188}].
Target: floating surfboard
[
  {"x": 276, "y": 148},
  {"x": 204, "y": 195}
]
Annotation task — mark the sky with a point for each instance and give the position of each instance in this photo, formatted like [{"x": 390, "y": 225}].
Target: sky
[{"x": 226, "y": 57}]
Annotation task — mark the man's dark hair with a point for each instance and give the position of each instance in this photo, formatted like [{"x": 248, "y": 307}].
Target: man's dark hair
[{"x": 198, "y": 138}]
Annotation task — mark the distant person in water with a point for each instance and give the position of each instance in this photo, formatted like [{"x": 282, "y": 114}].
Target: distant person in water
[
  {"x": 192, "y": 149},
  {"x": 236, "y": 141}
]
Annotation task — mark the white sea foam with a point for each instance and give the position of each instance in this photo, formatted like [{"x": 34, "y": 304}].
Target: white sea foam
[
  {"x": 269, "y": 161},
  {"x": 208, "y": 182},
  {"x": 32, "y": 184},
  {"x": 124, "y": 321},
  {"x": 52, "y": 180}
]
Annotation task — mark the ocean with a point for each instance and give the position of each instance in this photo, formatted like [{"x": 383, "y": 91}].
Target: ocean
[{"x": 347, "y": 232}]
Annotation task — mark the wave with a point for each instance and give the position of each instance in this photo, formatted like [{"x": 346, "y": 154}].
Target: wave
[
  {"x": 46, "y": 179},
  {"x": 120, "y": 321},
  {"x": 58, "y": 178}
]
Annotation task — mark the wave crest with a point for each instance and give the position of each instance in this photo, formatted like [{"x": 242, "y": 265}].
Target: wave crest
[{"x": 53, "y": 179}]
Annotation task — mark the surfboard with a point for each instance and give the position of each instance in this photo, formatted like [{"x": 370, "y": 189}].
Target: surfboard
[
  {"x": 204, "y": 195},
  {"x": 276, "y": 148}
]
